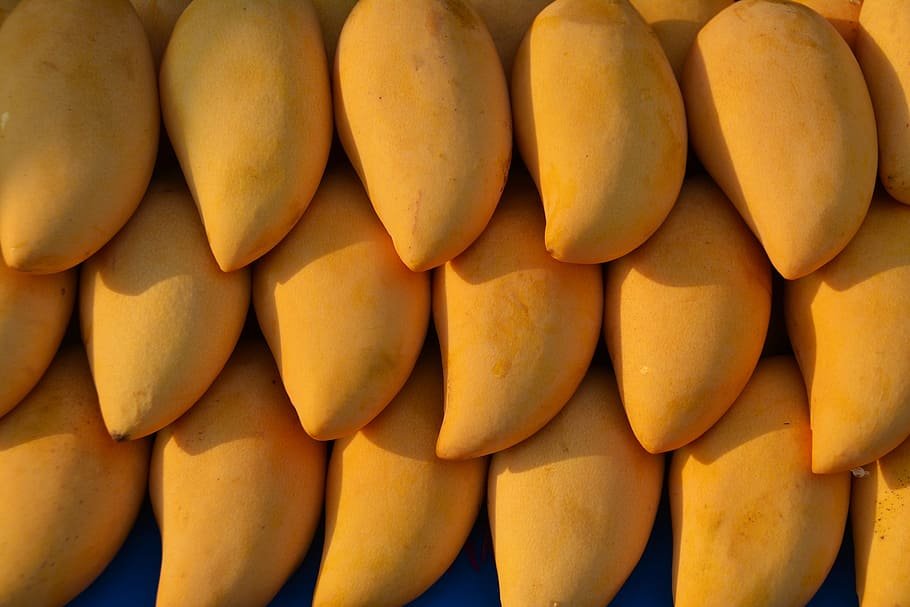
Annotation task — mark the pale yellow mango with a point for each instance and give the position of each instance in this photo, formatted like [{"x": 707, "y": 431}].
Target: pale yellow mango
[
  {"x": 332, "y": 15},
  {"x": 850, "y": 331},
  {"x": 842, "y": 14},
  {"x": 600, "y": 124},
  {"x": 508, "y": 20},
  {"x": 237, "y": 487},
  {"x": 159, "y": 319},
  {"x": 247, "y": 103},
  {"x": 70, "y": 493},
  {"x": 572, "y": 507},
  {"x": 883, "y": 50},
  {"x": 517, "y": 330},
  {"x": 343, "y": 316},
  {"x": 752, "y": 524},
  {"x": 34, "y": 313},
  {"x": 422, "y": 109},
  {"x": 78, "y": 128},
  {"x": 685, "y": 318},
  {"x": 396, "y": 515},
  {"x": 158, "y": 18}
]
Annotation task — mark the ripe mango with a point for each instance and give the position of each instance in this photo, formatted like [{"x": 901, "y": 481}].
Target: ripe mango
[
  {"x": 422, "y": 110},
  {"x": 158, "y": 18},
  {"x": 685, "y": 318},
  {"x": 332, "y": 15},
  {"x": 78, "y": 128},
  {"x": 849, "y": 329},
  {"x": 6, "y": 6},
  {"x": 159, "y": 319},
  {"x": 583, "y": 481},
  {"x": 247, "y": 103},
  {"x": 237, "y": 487},
  {"x": 842, "y": 14},
  {"x": 70, "y": 493},
  {"x": 780, "y": 116},
  {"x": 396, "y": 515},
  {"x": 344, "y": 317},
  {"x": 508, "y": 20},
  {"x": 600, "y": 124},
  {"x": 752, "y": 524}
]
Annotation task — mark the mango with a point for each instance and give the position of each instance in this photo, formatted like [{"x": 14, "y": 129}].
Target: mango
[
  {"x": 332, "y": 15},
  {"x": 236, "y": 487},
  {"x": 517, "y": 330},
  {"x": 247, "y": 103},
  {"x": 158, "y": 318},
  {"x": 6, "y": 6},
  {"x": 883, "y": 50},
  {"x": 600, "y": 124},
  {"x": 78, "y": 129},
  {"x": 71, "y": 494},
  {"x": 685, "y": 318},
  {"x": 158, "y": 18},
  {"x": 508, "y": 20},
  {"x": 842, "y": 14},
  {"x": 343, "y": 316},
  {"x": 396, "y": 515},
  {"x": 422, "y": 110},
  {"x": 34, "y": 313},
  {"x": 752, "y": 524},
  {"x": 585, "y": 480},
  {"x": 780, "y": 117},
  {"x": 850, "y": 332}
]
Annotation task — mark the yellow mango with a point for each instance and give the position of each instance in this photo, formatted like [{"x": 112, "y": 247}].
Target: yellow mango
[
  {"x": 159, "y": 319},
  {"x": 70, "y": 493},
  {"x": 332, "y": 14},
  {"x": 842, "y": 14},
  {"x": 780, "y": 117},
  {"x": 883, "y": 50},
  {"x": 600, "y": 124},
  {"x": 422, "y": 110},
  {"x": 508, "y": 20},
  {"x": 685, "y": 318},
  {"x": 752, "y": 524},
  {"x": 78, "y": 128},
  {"x": 247, "y": 103},
  {"x": 849, "y": 329},
  {"x": 344, "y": 317},
  {"x": 158, "y": 18},
  {"x": 517, "y": 330},
  {"x": 583, "y": 481},
  {"x": 236, "y": 486},
  {"x": 396, "y": 515},
  {"x": 880, "y": 516},
  {"x": 34, "y": 313}
]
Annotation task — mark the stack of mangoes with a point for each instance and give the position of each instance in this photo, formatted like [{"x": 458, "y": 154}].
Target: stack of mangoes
[{"x": 387, "y": 260}]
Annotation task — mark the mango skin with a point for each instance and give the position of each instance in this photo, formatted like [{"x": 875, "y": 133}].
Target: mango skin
[
  {"x": 158, "y": 18},
  {"x": 685, "y": 317},
  {"x": 585, "y": 480},
  {"x": 396, "y": 514},
  {"x": 159, "y": 319},
  {"x": 752, "y": 525},
  {"x": 35, "y": 311},
  {"x": 508, "y": 20},
  {"x": 517, "y": 330},
  {"x": 71, "y": 494},
  {"x": 237, "y": 487},
  {"x": 332, "y": 15},
  {"x": 842, "y": 14},
  {"x": 79, "y": 123},
  {"x": 6, "y": 7},
  {"x": 422, "y": 110},
  {"x": 343, "y": 316},
  {"x": 250, "y": 121},
  {"x": 780, "y": 117},
  {"x": 883, "y": 51},
  {"x": 850, "y": 333}
]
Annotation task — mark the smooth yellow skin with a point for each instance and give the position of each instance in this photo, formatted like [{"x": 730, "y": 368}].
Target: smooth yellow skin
[
  {"x": 572, "y": 507},
  {"x": 752, "y": 525},
  {"x": 343, "y": 316},
  {"x": 34, "y": 313},
  {"x": 159, "y": 319},
  {"x": 685, "y": 318},
  {"x": 71, "y": 494},
  {"x": 880, "y": 516},
  {"x": 396, "y": 515},
  {"x": 247, "y": 103},
  {"x": 883, "y": 50},
  {"x": 600, "y": 124},
  {"x": 842, "y": 14},
  {"x": 237, "y": 488},
  {"x": 158, "y": 18},
  {"x": 517, "y": 330},
  {"x": 508, "y": 20},
  {"x": 332, "y": 14},
  {"x": 849, "y": 329},
  {"x": 780, "y": 116},
  {"x": 422, "y": 109},
  {"x": 78, "y": 129}
]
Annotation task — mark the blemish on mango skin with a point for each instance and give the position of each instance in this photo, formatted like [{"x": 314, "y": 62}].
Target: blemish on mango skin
[{"x": 461, "y": 12}]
